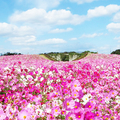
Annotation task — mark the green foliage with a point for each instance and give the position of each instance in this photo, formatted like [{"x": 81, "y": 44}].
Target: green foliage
[
  {"x": 8, "y": 53},
  {"x": 116, "y": 52}
]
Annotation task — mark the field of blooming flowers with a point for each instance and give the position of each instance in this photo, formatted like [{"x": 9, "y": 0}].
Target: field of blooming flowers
[{"x": 33, "y": 88}]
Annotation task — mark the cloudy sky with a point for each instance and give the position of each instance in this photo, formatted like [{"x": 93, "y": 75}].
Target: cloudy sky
[{"x": 39, "y": 26}]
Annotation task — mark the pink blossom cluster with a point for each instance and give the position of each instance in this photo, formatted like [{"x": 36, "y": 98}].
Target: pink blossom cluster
[{"x": 32, "y": 87}]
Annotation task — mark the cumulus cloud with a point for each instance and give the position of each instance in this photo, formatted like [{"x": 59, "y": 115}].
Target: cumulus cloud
[
  {"x": 82, "y": 1},
  {"x": 12, "y": 30},
  {"x": 113, "y": 27},
  {"x": 61, "y": 30},
  {"x": 102, "y": 11},
  {"x": 116, "y": 18},
  {"x": 91, "y": 35},
  {"x": 41, "y": 17}
]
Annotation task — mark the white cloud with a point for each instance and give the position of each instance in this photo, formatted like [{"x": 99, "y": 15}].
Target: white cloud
[
  {"x": 44, "y": 4},
  {"x": 22, "y": 40},
  {"x": 73, "y": 39},
  {"x": 113, "y": 27},
  {"x": 91, "y": 35},
  {"x": 41, "y": 17},
  {"x": 116, "y": 18},
  {"x": 31, "y": 40},
  {"x": 10, "y": 30},
  {"x": 82, "y": 1},
  {"x": 102, "y": 11},
  {"x": 117, "y": 38},
  {"x": 51, "y": 41},
  {"x": 61, "y": 30},
  {"x": 104, "y": 47}
]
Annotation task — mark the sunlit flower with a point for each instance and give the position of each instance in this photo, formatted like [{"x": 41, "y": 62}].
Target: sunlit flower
[
  {"x": 56, "y": 111},
  {"x": 24, "y": 115}
]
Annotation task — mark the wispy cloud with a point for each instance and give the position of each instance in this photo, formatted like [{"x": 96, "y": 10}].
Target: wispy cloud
[
  {"x": 91, "y": 35},
  {"x": 116, "y": 17},
  {"x": 57, "y": 30},
  {"x": 73, "y": 39},
  {"x": 44, "y": 4},
  {"x": 82, "y": 1}
]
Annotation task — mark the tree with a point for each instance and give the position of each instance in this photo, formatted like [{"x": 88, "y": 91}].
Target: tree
[{"x": 116, "y": 52}]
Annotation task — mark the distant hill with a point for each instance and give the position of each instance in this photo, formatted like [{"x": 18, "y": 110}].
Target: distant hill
[{"x": 66, "y": 56}]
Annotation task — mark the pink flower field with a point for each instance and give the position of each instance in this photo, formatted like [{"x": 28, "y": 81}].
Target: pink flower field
[{"x": 33, "y": 88}]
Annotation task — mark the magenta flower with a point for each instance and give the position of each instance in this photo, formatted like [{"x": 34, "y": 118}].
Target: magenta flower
[
  {"x": 89, "y": 116},
  {"x": 80, "y": 94},
  {"x": 79, "y": 115},
  {"x": 89, "y": 106}
]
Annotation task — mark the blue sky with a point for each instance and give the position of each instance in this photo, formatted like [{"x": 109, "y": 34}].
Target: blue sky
[{"x": 42, "y": 26}]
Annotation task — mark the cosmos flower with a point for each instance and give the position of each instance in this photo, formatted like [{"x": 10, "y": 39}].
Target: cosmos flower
[{"x": 24, "y": 115}]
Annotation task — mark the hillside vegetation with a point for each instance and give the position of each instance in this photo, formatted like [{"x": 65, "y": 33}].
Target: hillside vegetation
[{"x": 66, "y": 56}]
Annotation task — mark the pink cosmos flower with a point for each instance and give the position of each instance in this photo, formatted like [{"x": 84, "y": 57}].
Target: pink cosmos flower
[
  {"x": 75, "y": 94},
  {"x": 24, "y": 115},
  {"x": 63, "y": 112},
  {"x": 69, "y": 103},
  {"x": 79, "y": 115},
  {"x": 75, "y": 85},
  {"x": 89, "y": 106},
  {"x": 98, "y": 114},
  {"x": 50, "y": 117},
  {"x": 77, "y": 107},
  {"x": 56, "y": 111},
  {"x": 38, "y": 99},
  {"x": 113, "y": 93},
  {"x": 70, "y": 116},
  {"x": 2, "y": 115}
]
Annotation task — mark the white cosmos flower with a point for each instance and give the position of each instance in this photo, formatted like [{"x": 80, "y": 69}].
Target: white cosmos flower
[
  {"x": 50, "y": 87},
  {"x": 98, "y": 67},
  {"x": 22, "y": 76},
  {"x": 42, "y": 78},
  {"x": 86, "y": 98},
  {"x": 48, "y": 110},
  {"x": 118, "y": 99},
  {"x": 39, "y": 111},
  {"x": 29, "y": 76}
]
